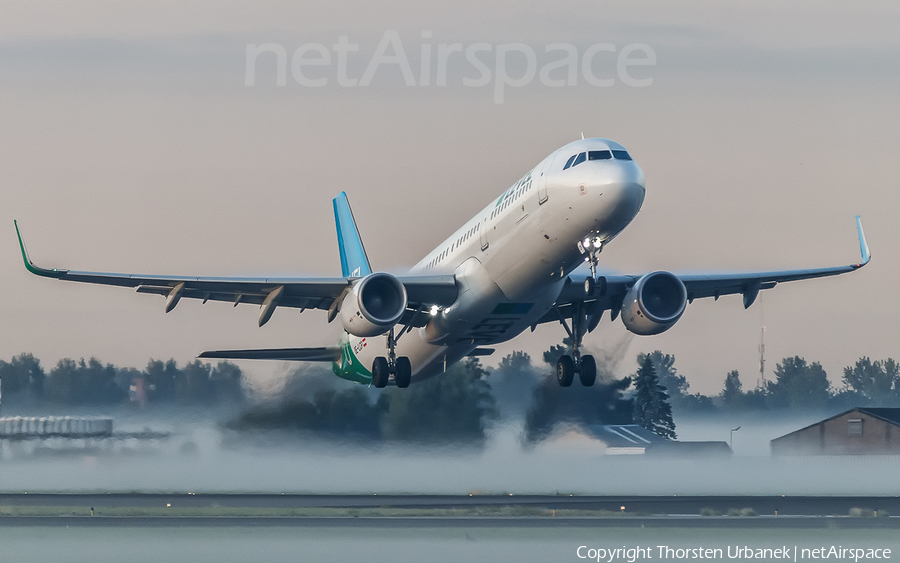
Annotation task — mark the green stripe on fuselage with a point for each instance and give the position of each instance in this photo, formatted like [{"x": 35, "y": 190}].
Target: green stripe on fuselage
[{"x": 349, "y": 366}]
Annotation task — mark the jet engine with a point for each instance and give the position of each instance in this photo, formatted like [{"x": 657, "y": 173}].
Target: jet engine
[
  {"x": 373, "y": 305},
  {"x": 654, "y": 303}
]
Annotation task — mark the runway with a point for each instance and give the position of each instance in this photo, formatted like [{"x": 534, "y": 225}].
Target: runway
[
  {"x": 611, "y": 510},
  {"x": 189, "y": 528}
]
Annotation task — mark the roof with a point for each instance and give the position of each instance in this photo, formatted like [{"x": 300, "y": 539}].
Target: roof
[
  {"x": 690, "y": 448},
  {"x": 888, "y": 414},
  {"x": 625, "y": 435}
]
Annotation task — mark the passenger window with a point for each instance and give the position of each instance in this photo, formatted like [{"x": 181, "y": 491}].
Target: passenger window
[
  {"x": 579, "y": 159},
  {"x": 569, "y": 162},
  {"x": 599, "y": 155},
  {"x": 621, "y": 155}
]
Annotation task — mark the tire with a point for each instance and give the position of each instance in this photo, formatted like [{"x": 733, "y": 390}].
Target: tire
[
  {"x": 380, "y": 372},
  {"x": 403, "y": 374},
  {"x": 588, "y": 374},
  {"x": 565, "y": 370},
  {"x": 588, "y": 286}
]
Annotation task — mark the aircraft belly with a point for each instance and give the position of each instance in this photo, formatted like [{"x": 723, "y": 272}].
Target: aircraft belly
[{"x": 360, "y": 353}]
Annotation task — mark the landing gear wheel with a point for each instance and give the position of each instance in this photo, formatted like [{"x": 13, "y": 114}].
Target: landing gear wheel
[
  {"x": 565, "y": 370},
  {"x": 380, "y": 372},
  {"x": 589, "y": 286},
  {"x": 403, "y": 374},
  {"x": 588, "y": 373}
]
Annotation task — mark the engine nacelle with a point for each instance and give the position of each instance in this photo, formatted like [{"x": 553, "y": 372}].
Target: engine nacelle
[
  {"x": 654, "y": 303},
  {"x": 373, "y": 305}
]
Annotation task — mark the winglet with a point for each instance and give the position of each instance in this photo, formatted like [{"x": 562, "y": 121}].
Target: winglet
[
  {"x": 354, "y": 261},
  {"x": 29, "y": 265},
  {"x": 863, "y": 245}
]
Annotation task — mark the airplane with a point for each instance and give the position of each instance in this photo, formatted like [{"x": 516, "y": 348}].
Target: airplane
[{"x": 508, "y": 269}]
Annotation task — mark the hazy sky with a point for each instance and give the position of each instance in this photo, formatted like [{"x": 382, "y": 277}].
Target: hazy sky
[{"x": 130, "y": 143}]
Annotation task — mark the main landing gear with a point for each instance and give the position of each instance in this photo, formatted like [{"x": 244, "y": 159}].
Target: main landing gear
[
  {"x": 568, "y": 365},
  {"x": 383, "y": 368}
]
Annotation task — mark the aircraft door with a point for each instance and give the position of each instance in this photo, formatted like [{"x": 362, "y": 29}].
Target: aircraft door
[
  {"x": 543, "y": 195},
  {"x": 483, "y": 234}
]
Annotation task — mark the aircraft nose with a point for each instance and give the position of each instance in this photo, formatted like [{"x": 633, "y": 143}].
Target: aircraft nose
[{"x": 623, "y": 181}]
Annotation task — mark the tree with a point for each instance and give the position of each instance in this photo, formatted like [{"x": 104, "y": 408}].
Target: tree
[
  {"x": 227, "y": 380},
  {"x": 553, "y": 406},
  {"x": 192, "y": 384},
  {"x": 162, "y": 379},
  {"x": 512, "y": 384},
  {"x": 86, "y": 383},
  {"x": 453, "y": 407},
  {"x": 552, "y": 355},
  {"x": 874, "y": 381},
  {"x": 346, "y": 414},
  {"x": 651, "y": 402},
  {"x": 799, "y": 385},
  {"x": 732, "y": 393},
  {"x": 21, "y": 373},
  {"x": 664, "y": 366},
  {"x": 517, "y": 361},
  {"x": 675, "y": 383}
]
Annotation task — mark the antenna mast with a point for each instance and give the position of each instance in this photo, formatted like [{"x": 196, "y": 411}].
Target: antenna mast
[{"x": 761, "y": 382}]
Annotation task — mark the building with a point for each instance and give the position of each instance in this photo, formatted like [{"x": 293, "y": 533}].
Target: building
[
  {"x": 858, "y": 431},
  {"x": 675, "y": 448},
  {"x": 632, "y": 439},
  {"x": 625, "y": 439},
  {"x": 29, "y": 427}
]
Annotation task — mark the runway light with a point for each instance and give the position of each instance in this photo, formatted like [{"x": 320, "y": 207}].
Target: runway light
[{"x": 434, "y": 310}]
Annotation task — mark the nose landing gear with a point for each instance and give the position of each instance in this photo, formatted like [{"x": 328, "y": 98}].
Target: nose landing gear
[
  {"x": 592, "y": 246},
  {"x": 383, "y": 368}
]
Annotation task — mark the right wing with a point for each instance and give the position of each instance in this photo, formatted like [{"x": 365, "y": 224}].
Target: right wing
[
  {"x": 609, "y": 292},
  {"x": 301, "y": 293}
]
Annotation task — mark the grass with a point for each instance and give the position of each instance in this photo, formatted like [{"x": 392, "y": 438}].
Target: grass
[{"x": 275, "y": 512}]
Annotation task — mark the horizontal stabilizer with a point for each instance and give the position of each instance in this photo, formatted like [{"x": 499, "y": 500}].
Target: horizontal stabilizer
[{"x": 324, "y": 354}]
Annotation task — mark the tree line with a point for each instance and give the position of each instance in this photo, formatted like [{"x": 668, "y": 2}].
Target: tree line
[
  {"x": 91, "y": 382},
  {"x": 458, "y": 406}
]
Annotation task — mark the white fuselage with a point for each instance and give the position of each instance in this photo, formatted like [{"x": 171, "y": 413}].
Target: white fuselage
[{"x": 512, "y": 258}]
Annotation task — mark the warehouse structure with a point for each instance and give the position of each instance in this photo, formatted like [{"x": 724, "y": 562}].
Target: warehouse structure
[{"x": 858, "y": 431}]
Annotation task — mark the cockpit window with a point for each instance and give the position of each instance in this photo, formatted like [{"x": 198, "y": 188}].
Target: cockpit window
[
  {"x": 574, "y": 160},
  {"x": 621, "y": 155},
  {"x": 599, "y": 155},
  {"x": 577, "y": 159}
]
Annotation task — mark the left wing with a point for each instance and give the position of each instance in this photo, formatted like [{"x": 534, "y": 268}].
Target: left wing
[
  {"x": 608, "y": 292},
  {"x": 269, "y": 293}
]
